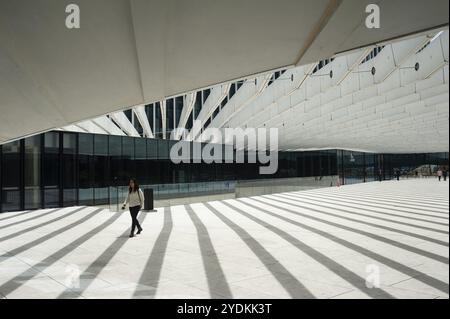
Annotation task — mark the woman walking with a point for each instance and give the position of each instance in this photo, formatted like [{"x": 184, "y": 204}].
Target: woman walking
[
  {"x": 135, "y": 199},
  {"x": 439, "y": 174}
]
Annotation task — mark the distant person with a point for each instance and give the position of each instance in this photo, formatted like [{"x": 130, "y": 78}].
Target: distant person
[
  {"x": 439, "y": 174},
  {"x": 444, "y": 174},
  {"x": 417, "y": 173},
  {"x": 397, "y": 174},
  {"x": 135, "y": 199}
]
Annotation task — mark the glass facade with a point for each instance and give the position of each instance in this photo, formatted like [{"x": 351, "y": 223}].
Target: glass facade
[
  {"x": 170, "y": 116},
  {"x": 51, "y": 169},
  {"x": 69, "y": 173},
  {"x": 11, "y": 176},
  {"x": 179, "y": 104},
  {"x": 32, "y": 172},
  {"x": 158, "y": 127},
  {"x": 101, "y": 178},
  {"x": 59, "y": 169},
  {"x": 85, "y": 169},
  {"x": 357, "y": 167}
]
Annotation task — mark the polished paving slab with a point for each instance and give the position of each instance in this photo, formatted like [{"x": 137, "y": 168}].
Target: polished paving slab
[{"x": 373, "y": 240}]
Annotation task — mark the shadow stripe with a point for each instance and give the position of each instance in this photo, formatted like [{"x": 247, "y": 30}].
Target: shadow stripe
[
  {"x": 13, "y": 215},
  {"x": 372, "y": 199},
  {"x": 410, "y": 192},
  {"x": 436, "y": 241},
  {"x": 435, "y": 200},
  {"x": 433, "y": 282},
  {"x": 31, "y": 218},
  {"x": 314, "y": 202},
  {"x": 333, "y": 266},
  {"x": 295, "y": 288},
  {"x": 381, "y": 197},
  {"x": 416, "y": 250},
  {"x": 19, "y": 280},
  {"x": 26, "y": 230},
  {"x": 152, "y": 270},
  {"x": 412, "y": 199},
  {"x": 42, "y": 239},
  {"x": 217, "y": 281},
  {"x": 94, "y": 269},
  {"x": 361, "y": 203}
]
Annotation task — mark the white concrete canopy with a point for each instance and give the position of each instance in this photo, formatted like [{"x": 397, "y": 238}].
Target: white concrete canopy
[
  {"x": 397, "y": 110},
  {"x": 134, "y": 52}
]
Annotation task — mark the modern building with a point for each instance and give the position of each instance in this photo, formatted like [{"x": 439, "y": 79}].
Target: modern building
[
  {"x": 60, "y": 169},
  {"x": 349, "y": 116},
  {"x": 334, "y": 92}
]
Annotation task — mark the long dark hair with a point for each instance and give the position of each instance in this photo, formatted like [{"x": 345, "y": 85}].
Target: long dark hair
[{"x": 136, "y": 185}]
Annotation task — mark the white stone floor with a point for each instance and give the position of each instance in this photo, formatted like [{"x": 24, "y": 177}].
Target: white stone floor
[{"x": 374, "y": 240}]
